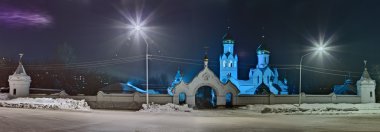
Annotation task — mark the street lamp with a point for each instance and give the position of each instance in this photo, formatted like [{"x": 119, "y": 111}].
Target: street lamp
[
  {"x": 139, "y": 30},
  {"x": 320, "y": 49}
]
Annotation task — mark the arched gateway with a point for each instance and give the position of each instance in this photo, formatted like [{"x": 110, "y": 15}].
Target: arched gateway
[{"x": 206, "y": 78}]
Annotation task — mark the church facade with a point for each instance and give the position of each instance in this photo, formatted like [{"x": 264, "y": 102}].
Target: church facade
[{"x": 262, "y": 80}]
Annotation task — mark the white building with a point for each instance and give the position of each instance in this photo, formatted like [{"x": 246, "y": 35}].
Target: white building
[
  {"x": 366, "y": 87},
  {"x": 19, "y": 82}
]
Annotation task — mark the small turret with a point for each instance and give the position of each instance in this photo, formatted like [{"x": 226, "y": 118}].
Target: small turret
[
  {"x": 19, "y": 82},
  {"x": 366, "y": 87}
]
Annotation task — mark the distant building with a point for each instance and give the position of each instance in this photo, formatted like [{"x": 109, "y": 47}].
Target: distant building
[
  {"x": 366, "y": 87},
  {"x": 177, "y": 80},
  {"x": 19, "y": 82},
  {"x": 346, "y": 89},
  {"x": 262, "y": 79}
]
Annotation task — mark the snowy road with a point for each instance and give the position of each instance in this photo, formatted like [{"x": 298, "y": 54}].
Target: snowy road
[{"x": 12, "y": 119}]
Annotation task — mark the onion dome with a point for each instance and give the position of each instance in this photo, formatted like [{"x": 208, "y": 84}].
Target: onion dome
[
  {"x": 205, "y": 58},
  {"x": 262, "y": 49},
  {"x": 227, "y": 38}
]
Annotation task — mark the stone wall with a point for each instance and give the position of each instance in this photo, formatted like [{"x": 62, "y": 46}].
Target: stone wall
[
  {"x": 114, "y": 101},
  {"x": 293, "y": 99},
  {"x": 134, "y": 101}
]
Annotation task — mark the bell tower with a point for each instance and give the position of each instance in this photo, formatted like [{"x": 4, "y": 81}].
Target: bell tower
[{"x": 228, "y": 60}]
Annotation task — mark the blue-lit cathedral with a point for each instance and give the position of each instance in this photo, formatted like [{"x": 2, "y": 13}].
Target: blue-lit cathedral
[{"x": 262, "y": 80}]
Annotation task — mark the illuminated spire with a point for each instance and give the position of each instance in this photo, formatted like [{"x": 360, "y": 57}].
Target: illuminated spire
[
  {"x": 21, "y": 54},
  {"x": 20, "y": 68},
  {"x": 365, "y": 74},
  {"x": 205, "y": 58},
  {"x": 262, "y": 49},
  {"x": 227, "y": 38}
]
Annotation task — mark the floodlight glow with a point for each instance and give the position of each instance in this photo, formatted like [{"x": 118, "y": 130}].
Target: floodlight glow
[
  {"x": 137, "y": 27},
  {"x": 320, "y": 48}
]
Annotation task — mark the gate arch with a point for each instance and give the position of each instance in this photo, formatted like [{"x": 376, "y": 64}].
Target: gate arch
[{"x": 206, "y": 78}]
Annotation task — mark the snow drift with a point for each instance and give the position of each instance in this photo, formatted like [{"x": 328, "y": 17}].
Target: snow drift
[
  {"x": 4, "y": 96},
  {"x": 169, "y": 107},
  {"x": 46, "y": 103},
  {"x": 313, "y": 108}
]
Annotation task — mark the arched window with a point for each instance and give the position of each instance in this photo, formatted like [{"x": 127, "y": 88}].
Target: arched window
[
  {"x": 182, "y": 98},
  {"x": 258, "y": 79},
  {"x": 265, "y": 60},
  {"x": 370, "y": 94},
  {"x": 224, "y": 63},
  {"x": 230, "y": 63},
  {"x": 229, "y": 100},
  {"x": 14, "y": 91}
]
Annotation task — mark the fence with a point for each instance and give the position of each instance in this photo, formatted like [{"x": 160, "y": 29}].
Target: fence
[{"x": 135, "y": 100}]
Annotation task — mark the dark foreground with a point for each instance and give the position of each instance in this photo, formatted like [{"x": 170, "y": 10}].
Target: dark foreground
[{"x": 21, "y": 120}]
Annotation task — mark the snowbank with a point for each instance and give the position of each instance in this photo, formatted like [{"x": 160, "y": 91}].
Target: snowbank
[
  {"x": 165, "y": 108},
  {"x": 46, "y": 103},
  {"x": 4, "y": 96},
  {"x": 313, "y": 108}
]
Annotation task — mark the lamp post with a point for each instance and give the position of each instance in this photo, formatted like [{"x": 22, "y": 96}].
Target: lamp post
[
  {"x": 319, "y": 49},
  {"x": 140, "y": 30},
  {"x": 147, "y": 71}
]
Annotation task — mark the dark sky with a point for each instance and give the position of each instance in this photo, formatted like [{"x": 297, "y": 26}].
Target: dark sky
[{"x": 184, "y": 28}]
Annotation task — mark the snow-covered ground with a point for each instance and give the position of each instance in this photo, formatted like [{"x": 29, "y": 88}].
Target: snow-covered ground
[
  {"x": 219, "y": 120},
  {"x": 46, "y": 103},
  {"x": 166, "y": 108},
  {"x": 315, "y": 108}
]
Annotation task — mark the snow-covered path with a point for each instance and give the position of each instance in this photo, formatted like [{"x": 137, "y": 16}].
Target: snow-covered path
[{"x": 12, "y": 119}]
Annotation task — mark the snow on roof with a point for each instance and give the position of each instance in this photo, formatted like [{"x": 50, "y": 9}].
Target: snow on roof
[
  {"x": 20, "y": 70},
  {"x": 366, "y": 75}
]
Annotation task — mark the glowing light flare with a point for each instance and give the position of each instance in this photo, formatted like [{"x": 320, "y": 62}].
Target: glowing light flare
[
  {"x": 137, "y": 28},
  {"x": 322, "y": 47},
  {"x": 135, "y": 25}
]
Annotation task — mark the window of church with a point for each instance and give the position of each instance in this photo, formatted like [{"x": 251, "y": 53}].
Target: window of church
[
  {"x": 258, "y": 79},
  {"x": 230, "y": 63},
  {"x": 271, "y": 78},
  {"x": 370, "y": 94},
  {"x": 224, "y": 63}
]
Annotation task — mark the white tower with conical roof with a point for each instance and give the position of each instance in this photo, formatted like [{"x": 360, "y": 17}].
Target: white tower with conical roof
[
  {"x": 366, "y": 87},
  {"x": 19, "y": 82}
]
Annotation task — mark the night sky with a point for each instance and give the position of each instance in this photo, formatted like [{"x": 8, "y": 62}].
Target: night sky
[{"x": 182, "y": 29}]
